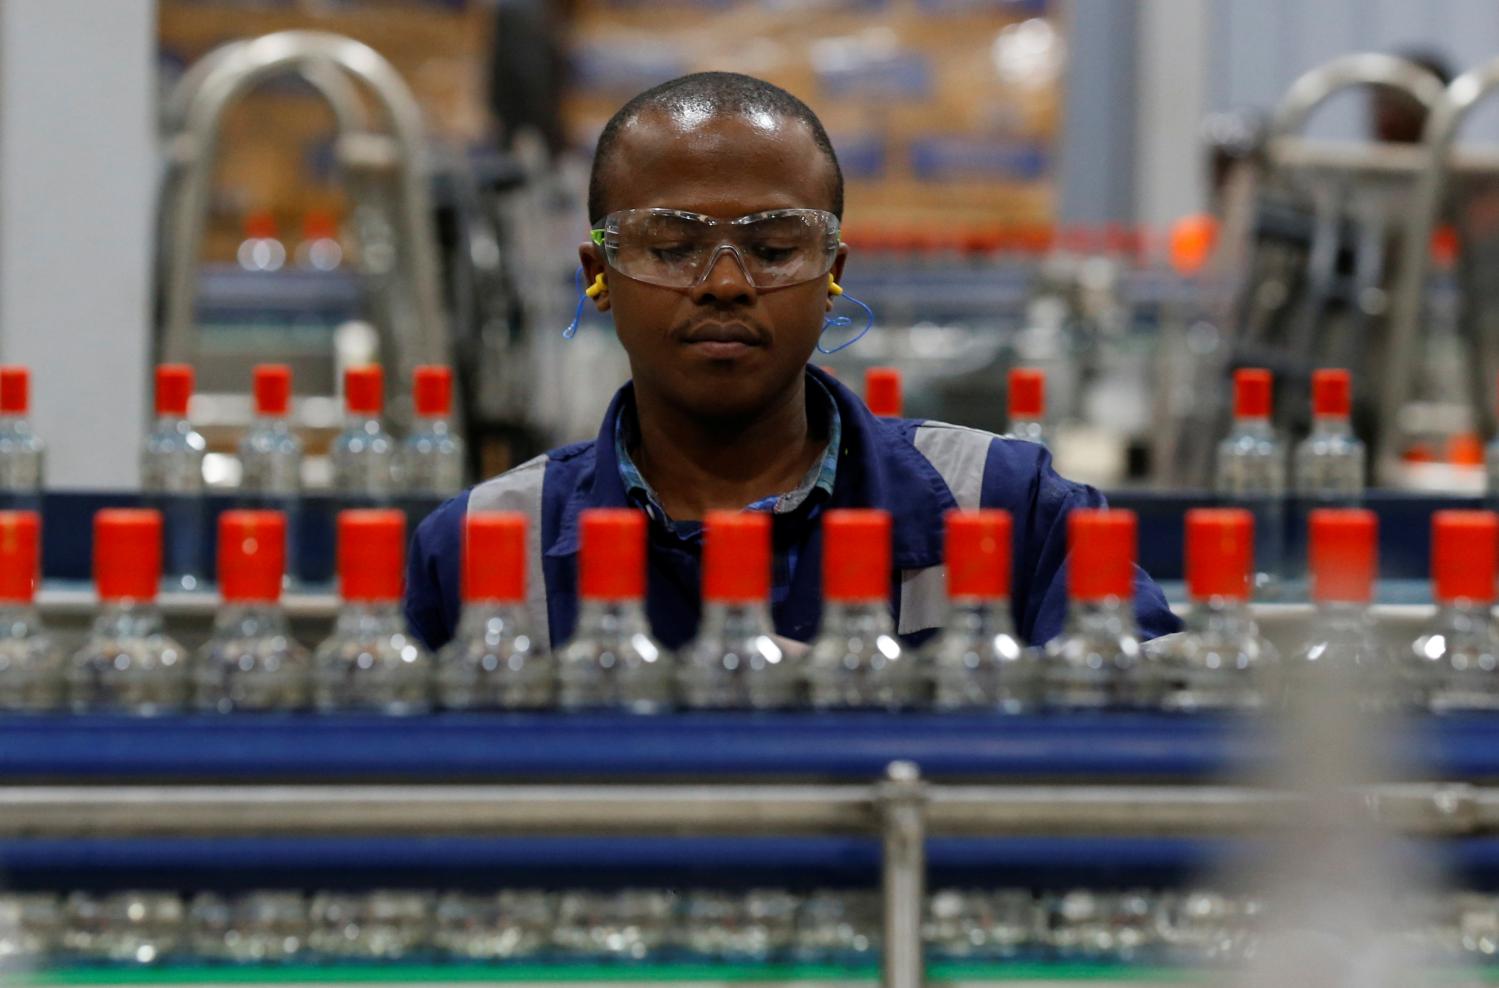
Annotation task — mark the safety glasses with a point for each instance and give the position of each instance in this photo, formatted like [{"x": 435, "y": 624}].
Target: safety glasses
[{"x": 673, "y": 249}]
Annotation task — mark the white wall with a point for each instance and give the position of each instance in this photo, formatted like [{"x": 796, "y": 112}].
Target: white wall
[
  {"x": 1144, "y": 72},
  {"x": 78, "y": 165},
  {"x": 1259, "y": 47},
  {"x": 1170, "y": 100}
]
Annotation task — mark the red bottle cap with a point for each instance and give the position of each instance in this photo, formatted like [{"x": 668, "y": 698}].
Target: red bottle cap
[
  {"x": 882, "y": 391},
  {"x": 174, "y": 386},
  {"x": 432, "y": 391},
  {"x": 1252, "y": 389},
  {"x": 20, "y": 533},
  {"x": 260, "y": 225},
  {"x": 1464, "y": 556},
  {"x": 494, "y": 556},
  {"x": 127, "y": 553},
  {"x": 1101, "y": 551},
  {"x": 364, "y": 390},
  {"x": 736, "y": 557},
  {"x": 1332, "y": 393},
  {"x": 252, "y": 556},
  {"x": 856, "y": 555},
  {"x": 15, "y": 390},
  {"x": 613, "y": 563},
  {"x": 1027, "y": 394},
  {"x": 319, "y": 224},
  {"x": 272, "y": 389},
  {"x": 371, "y": 552},
  {"x": 1343, "y": 555},
  {"x": 978, "y": 554},
  {"x": 1220, "y": 553}
]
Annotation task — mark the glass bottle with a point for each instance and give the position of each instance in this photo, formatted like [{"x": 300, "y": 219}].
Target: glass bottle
[
  {"x": 131, "y": 927},
  {"x": 432, "y": 455},
  {"x": 1028, "y": 404},
  {"x": 1250, "y": 472},
  {"x": 856, "y": 661},
  {"x": 977, "y": 662},
  {"x": 365, "y": 465},
  {"x": 270, "y": 454},
  {"x": 734, "y": 663},
  {"x": 128, "y": 664},
  {"x": 32, "y": 667},
  {"x": 493, "y": 661},
  {"x": 1091, "y": 665},
  {"x": 172, "y": 478},
  {"x": 510, "y": 925},
  {"x": 1221, "y": 661},
  {"x": 612, "y": 661},
  {"x": 264, "y": 926},
  {"x": 22, "y": 451},
  {"x": 377, "y": 925},
  {"x": 370, "y": 662},
  {"x": 1344, "y": 646},
  {"x": 251, "y": 661},
  {"x": 1330, "y": 461},
  {"x": 1455, "y": 664}
]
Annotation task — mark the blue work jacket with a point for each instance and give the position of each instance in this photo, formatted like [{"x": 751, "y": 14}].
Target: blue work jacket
[{"x": 916, "y": 470}]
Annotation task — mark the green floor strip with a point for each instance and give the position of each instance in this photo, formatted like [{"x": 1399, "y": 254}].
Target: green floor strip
[
  {"x": 393, "y": 973},
  {"x": 463, "y": 973}
]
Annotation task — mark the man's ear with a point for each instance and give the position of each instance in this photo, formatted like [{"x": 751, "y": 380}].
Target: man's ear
[
  {"x": 593, "y": 267},
  {"x": 836, "y": 273}
]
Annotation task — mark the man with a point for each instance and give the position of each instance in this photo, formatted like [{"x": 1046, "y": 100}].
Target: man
[{"x": 719, "y": 316}]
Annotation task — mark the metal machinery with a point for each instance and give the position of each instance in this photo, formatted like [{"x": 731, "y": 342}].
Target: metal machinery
[
  {"x": 1327, "y": 262},
  {"x": 433, "y": 279},
  {"x": 1459, "y": 186}
]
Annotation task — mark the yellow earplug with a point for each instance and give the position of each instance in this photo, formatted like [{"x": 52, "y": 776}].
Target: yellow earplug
[
  {"x": 597, "y": 288},
  {"x": 833, "y": 287}
]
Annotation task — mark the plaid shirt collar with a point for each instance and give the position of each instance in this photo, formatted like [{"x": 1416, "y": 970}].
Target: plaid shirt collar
[{"x": 821, "y": 408}]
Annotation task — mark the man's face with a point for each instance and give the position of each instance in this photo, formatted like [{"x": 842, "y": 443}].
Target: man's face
[{"x": 722, "y": 348}]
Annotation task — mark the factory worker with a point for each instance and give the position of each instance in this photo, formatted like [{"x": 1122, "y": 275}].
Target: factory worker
[{"x": 715, "y": 202}]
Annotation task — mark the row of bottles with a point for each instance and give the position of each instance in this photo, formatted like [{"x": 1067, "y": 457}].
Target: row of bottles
[
  {"x": 1327, "y": 467},
  {"x": 263, "y": 248},
  {"x": 1026, "y": 395},
  {"x": 976, "y": 662},
  {"x": 368, "y": 462},
  {"x": 369, "y": 466},
  {"x": 755, "y": 926},
  {"x": 269, "y": 927}
]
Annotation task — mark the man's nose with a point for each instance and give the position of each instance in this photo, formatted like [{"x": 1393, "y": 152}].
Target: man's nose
[{"x": 725, "y": 281}]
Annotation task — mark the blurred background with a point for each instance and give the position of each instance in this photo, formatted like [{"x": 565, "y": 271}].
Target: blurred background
[{"x": 1016, "y": 170}]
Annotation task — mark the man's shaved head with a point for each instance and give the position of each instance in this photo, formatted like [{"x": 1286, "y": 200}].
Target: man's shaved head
[{"x": 701, "y": 96}]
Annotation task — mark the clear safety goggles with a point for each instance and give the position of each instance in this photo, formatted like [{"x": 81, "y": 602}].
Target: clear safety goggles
[{"x": 673, "y": 249}]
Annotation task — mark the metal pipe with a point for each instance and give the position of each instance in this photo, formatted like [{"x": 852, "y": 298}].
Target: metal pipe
[
  {"x": 86, "y": 811},
  {"x": 1465, "y": 92},
  {"x": 330, "y": 82},
  {"x": 903, "y": 875},
  {"x": 1315, "y": 87},
  {"x": 246, "y": 810},
  {"x": 1098, "y": 809},
  {"x": 234, "y": 74}
]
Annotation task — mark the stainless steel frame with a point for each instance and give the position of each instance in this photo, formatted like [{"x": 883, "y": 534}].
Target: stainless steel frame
[
  {"x": 385, "y": 171},
  {"x": 1465, "y": 92}
]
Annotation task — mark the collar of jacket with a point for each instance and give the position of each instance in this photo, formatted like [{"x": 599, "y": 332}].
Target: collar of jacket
[{"x": 878, "y": 467}]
